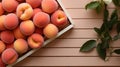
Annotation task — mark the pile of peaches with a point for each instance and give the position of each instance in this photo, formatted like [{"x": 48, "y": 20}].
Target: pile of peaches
[{"x": 26, "y": 24}]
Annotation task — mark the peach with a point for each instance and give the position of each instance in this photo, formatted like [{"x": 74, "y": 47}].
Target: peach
[
  {"x": 64, "y": 25},
  {"x": 18, "y": 34},
  {"x": 39, "y": 30},
  {"x": 2, "y": 46},
  {"x": 59, "y": 18},
  {"x": 7, "y": 36},
  {"x": 24, "y": 11},
  {"x": 36, "y": 10},
  {"x": 2, "y": 20},
  {"x": 34, "y": 3},
  {"x": 35, "y": 40},
  {"x": 27, "y": 27},
  {"x": 41, "y": 19},
  {"x": 50, "y": 31},
  {"x": 1, "y": 9},
  {"x": 11, "y": 21},
  {"x": 20, "y": 0},
  {"x": 9, "y": 5},
  {"x": 9, "y": 56},
  {"x": 1, "y": 63},
  {"x": 9, "y": 45},
  {"x": 49, "y": 6},
  {"x": 21, "y": 46}
]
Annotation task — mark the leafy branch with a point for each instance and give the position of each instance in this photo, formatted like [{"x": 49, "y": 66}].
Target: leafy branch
[{"x": 103, "y": 44}]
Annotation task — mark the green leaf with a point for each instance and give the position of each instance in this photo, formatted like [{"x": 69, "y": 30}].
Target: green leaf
[
  {"x": 89, "y": 45},
  {"x": 99, "y": 9},
  {"x": 116, "y": 37},
  {"x": 118, "y": 27},
  {"x": 101, "y": 52},
  {"x": 113, "y": 19},
  {"x": 104, "y": 28},
  {"x": 107, "y": 36},
  {"x": 92, "y": 5},
  {"x": 116, "y": 2},
  {"x": 98, "y": 31},
  {"x": 105, "y": 43},
  {"x": 106, "y": 14},
  {"x": 114, "y": 14},
  {"x": 105, "y": 39},
  {"x": 117, "y": 51}
]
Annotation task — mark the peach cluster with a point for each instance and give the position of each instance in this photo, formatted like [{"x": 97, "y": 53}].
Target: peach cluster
[{"x": 26, "y": 24}]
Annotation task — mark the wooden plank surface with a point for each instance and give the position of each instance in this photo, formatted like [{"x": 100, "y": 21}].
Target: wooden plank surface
[
  {"x": 64, "y": 51},
  {"x": 68, "y": 61}
]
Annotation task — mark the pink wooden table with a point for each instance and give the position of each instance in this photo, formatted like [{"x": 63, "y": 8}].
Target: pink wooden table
[{"x": 64, "y": 51}]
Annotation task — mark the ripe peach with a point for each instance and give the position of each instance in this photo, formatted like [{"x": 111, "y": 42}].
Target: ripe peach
[
  {"x": 2, "y": 20},
  {"x": 49, "y": 6},
  {"x": 9, "y": 45},
  {"x": 35, "y": 40},
  {"x": 20, "y": 0},
  {"x": 9, "y": 5},
  {"x": 2, "y": 46},
  {"x": 9, "y": 56},
  {"x": 50, "y": 31},
  {"x": 39, "y": 30},
  {"x": 21, "y": 46},
  {"x": 1, "y": 63},
  {"x": 1, "y": 9},
  {"x": 59, "y": 18},
  {"x": 36, "y": 10},
  {"x": 34, "y": 3},
  {"x": 41, "y": 19},
  {"x": 11, "y": 21},
  {"x": 27, "y": 27},
  {"x": 7, "y": 36},
  {"x": 24, "y": 11},
  {"x": 18, "y": 34},
  {"x": 64, "y": 25}
]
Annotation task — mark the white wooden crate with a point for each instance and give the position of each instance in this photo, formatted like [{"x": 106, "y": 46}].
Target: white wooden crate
[{"x": 49, "y": 40}]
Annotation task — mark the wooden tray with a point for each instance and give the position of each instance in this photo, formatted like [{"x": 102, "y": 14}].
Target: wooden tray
[{"x": 49, "y": 40}]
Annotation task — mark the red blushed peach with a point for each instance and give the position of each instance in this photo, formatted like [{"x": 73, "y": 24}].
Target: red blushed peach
[
  {"x": 24, "y": 11},
  {"x": 59, "y": 18},
  {"x": 39, "y": 30},
  {"x": 2, "y": 20},
  {"x": 49, "y": 6},
  {"x": 7, "y": 36},
  {"x": 1, "y": 63},
  {"x": 9, "y": 56},
  {"x": 9, "y": 45},
  {"x": 35, "y": 40},
  {"x": 50, "y": 31},
  {"x": 63, "y": 26},
  {"x": 20, "y": 0},
  {"x": 9, "y": 5},
  {"x": 11, "y": 21},
  {"x": 36, "y": 10},
  {"x": 18, "y": 34},
  {"x": 34, "y": 3},
  {"x": 27, "y": 27},
  {"x": 21, "y": 46},
  {"x": 1, "y": 9},
  {"x": 41, "y": 19},
  {"x": 2, "y": 46}
]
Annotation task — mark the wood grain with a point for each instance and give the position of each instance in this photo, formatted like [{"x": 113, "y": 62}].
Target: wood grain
[
  {"x": 69, "y": 61},
  {"x": 64, "y": 51},
  {"x": 87, "y": 23},
  {"x": 78, "y": 4},
  {"x": 73, "y": 43}
]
